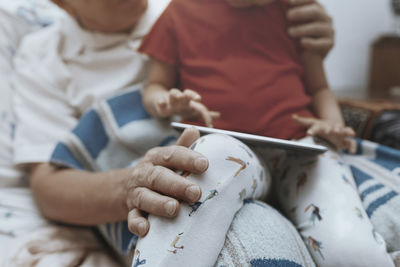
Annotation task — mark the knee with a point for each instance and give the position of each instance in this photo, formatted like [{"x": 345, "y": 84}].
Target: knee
[
  {"x": 231, "y": 161},
  {"x": 217, "y": 146},
  {"x": 226, "y": 153}
]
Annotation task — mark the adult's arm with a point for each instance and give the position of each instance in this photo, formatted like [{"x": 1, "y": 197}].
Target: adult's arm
[
  {"x": 312, "y": 25},
  {"x": 87, "y": 198}
]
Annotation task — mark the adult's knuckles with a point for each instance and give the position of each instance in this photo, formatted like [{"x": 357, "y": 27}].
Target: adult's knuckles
[
  {"x": 141, "y": 173},
  {"x": 130, "y": 202},
  {"x": 137, "y": 171},
  {"x": 153, "y": 153},
  {"x": 154, "y": 175},
  {"x": 139, "y": 197},
  {"x": 169, "y": 153}
]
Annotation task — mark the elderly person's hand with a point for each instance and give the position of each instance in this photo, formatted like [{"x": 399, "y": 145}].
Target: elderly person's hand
[
  {"x": 155, "y": 188},
  {"x": 312, "y": 25}
]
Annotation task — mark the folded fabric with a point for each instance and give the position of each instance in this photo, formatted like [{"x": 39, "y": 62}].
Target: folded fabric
[
  {"x": 38, "y": 13},
  {"x": 57, "y": 246},
  {"x": 124, "y": 132}
]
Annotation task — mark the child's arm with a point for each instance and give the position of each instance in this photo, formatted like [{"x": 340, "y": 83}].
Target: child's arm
[
  {"x": 323, "y": 101},
  {"x": 161, "y": 77},
  {"x": 330, "y": 124},
  {"x": 161, "y": 101}
]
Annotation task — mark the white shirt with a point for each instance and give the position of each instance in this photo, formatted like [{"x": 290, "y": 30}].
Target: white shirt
[
  {"x": 12, "y": 29},
  {"x": 62, "y": 70}
]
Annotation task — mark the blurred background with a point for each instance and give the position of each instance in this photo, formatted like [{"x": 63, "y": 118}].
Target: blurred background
[
  {"x": 364, "y": 66},
  {"x": 358, "y": 24}
]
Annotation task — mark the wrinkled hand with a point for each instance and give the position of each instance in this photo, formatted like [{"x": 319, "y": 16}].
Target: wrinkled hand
[
  {"x": 186, "y": 104},
  {"x": 340, "y": 136},
  {"x": 155, "y": 188},
  {"x": 312, "y": 25}
]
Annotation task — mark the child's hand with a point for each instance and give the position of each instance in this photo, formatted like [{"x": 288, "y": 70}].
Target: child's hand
[
  {"x": 338, "y": 135},
  {"x": 187, "y": 104}
]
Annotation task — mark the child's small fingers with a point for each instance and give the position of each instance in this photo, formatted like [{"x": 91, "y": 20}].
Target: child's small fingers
[
  {"x": 174, "y": 96},
  {"x": 327, "y": 129},
  {"x": 345, "y": 143},
  {"x": 215, "y": 115},
  {"x": 187, "y": 97},
  {"x": 337, "y": 130},
  {"x": 192, "y": 95},
  {"x": 303, "y": 120},
  {"x": 339, "y": 133},
  {"x": 175, "y": 91},
  {"x": 340, "y": 142},
  {"x": 343, "y": 132},
  {"x": 162, "y": 107},
  {"x": 351, "y": 145},
  {"x": 203, "y": 111},
  {"x": 319, "y": 129},
  {"x": 337, "y": 141},
  {"x": 160, "y": 102},
  {"x": 349, "y": 132},
  {"x": 314, "y": 130}
]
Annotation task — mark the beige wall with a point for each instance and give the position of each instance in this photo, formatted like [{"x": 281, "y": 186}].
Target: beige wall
[{"x": 357, "y": 23}]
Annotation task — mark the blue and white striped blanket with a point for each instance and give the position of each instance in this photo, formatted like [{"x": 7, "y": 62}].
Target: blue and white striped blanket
[
  {"x": 113, "y": 134},
  {"x": 116, "y": 132}
]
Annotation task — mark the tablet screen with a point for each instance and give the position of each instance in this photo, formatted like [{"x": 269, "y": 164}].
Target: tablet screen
[{"x": 258, "y": 140}]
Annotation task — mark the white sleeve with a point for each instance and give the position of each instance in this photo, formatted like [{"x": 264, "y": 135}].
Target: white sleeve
[
  {"x": 12, "y": 29},
  {"x": 43, "y": 113}
]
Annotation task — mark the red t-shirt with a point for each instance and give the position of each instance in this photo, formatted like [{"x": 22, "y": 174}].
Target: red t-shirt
[{"x": 240, "y": 60}]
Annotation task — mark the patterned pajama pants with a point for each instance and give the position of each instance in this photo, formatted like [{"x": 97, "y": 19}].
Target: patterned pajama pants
[
  {"x": 319, "y": 196},
  {"x": 317, "y": 193},
  {"x": 197, "y": 235}
]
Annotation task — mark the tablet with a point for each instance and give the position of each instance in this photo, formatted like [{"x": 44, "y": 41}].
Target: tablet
[{"x": 258, "y": 140}]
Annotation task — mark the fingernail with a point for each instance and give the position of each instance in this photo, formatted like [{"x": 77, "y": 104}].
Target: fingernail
[
  {"x": 193, "y": 192},
  {"x": 291, "y": 31},
  {"x": 142, "y": 228},
  {"x": 201, "y": 164},
  {"x": 170, "y": 207}
]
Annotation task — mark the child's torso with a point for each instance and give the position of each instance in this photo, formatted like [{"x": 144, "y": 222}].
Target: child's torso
[{"x": 243, "y": 63}]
